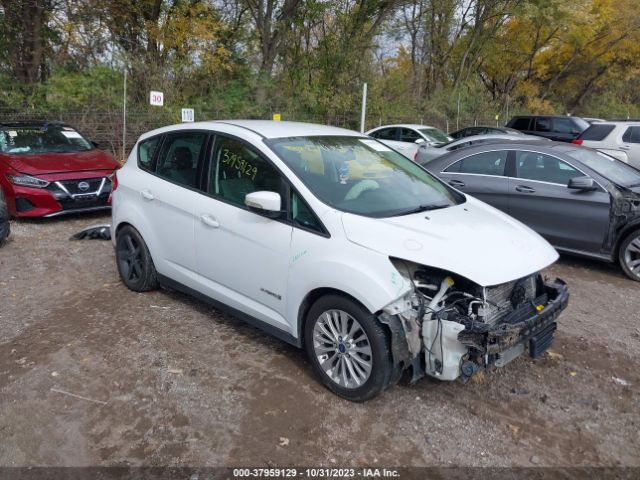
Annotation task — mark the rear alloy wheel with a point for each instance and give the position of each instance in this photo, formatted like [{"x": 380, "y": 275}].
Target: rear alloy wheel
[
  {"x": 348, "y": 348},
  {"x": 630, "y": 255},
  {"x": 134, "y": 261}
]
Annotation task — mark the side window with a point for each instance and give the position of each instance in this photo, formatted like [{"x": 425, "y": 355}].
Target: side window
[
  {"x": 237, "y": 170},
  {"x": 385, "y": 134},
  {"x": 486, "y": 163},
  {"x": 521, "y": 123},
  {"x": 632, "y": 135},
  {"x": 597, "y": 132},
  {"x": 564, "y": 125},
  {"x": 302, "y": 215},
  {"x": 544, "y": 168},
  {"x": 146, "y": 150},
  {"x": 543, "y": 124},
  {"x": 408, "y": 135},
  {"x": 178, "y": 160}
]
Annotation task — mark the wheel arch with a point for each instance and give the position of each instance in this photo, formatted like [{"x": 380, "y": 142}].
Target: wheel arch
[
  {"x": 630, "y": 228},
  {"x": 311, "y": 298}
]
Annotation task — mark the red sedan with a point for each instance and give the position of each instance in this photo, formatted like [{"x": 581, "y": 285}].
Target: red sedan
[{"x": 49, "y": 169}]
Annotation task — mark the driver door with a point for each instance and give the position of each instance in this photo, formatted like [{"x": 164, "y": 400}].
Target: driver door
[
  {"x": 539, "y": 198},
  {"x": 243, "y": 257}
]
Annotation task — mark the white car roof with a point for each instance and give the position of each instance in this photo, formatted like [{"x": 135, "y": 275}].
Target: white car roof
[{"x": 264, "y": 128}]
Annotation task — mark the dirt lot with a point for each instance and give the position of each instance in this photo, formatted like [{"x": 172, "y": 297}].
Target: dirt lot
[{"x": 162, "y": 379}]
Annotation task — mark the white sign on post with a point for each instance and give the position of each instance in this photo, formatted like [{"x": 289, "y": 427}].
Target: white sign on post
[
  {"x": 187, "y": 115},
  {"x": 156, "y": 98}
]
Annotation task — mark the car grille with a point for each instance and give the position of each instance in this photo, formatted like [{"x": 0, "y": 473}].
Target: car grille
[
  {"x": 69, "y": 194},
  {"x": 73, "y": 186},
  {"x": 501, "y": 300}
]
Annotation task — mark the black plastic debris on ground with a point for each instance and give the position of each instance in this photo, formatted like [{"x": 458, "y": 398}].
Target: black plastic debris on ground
[{"x": 94, "y": 232}]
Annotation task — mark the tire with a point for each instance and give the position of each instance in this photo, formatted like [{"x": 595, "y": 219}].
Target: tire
[
  {"x": 134, "y": 261},
  {"x": 5, "y": 228},
  {"x": 629, "y": 255},
  {"x": 338, "y": 361}
]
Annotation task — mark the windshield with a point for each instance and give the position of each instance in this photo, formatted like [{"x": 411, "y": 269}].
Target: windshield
[
  {"x": 612, "y": 169},
  {"x": 362, "y": 176},
  {"x": 27, "y": 139},
  {"x": 435, "y": 135}
]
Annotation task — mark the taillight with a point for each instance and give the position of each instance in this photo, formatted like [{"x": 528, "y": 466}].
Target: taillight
[
  {"x": 577, "y": 141},
  {"x": 415, "y": 157},
  {"x": 114, "y": 184}
]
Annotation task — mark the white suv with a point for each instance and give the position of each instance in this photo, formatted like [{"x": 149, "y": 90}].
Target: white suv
[
  {"x": 619, "y": 139},
  {"x": 333, "y": 242}
]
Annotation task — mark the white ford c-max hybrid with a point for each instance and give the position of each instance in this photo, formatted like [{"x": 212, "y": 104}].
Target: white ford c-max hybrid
[{"x": 333, "y": 242}]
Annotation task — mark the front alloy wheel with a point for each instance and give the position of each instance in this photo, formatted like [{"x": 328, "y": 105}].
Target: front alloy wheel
[
  {"x": 342, "y": 348},
  {"x": 630, "y": 256},
  {"x": 348, "y": 348}
]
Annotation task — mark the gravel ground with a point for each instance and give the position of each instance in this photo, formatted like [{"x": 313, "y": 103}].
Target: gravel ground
[{"x": 94, "y": 374}]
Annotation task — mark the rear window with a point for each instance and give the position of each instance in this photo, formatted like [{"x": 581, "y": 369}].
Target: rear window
[
  {"x": 597, "y": 132},
  {"x": 485, "y": 163}
]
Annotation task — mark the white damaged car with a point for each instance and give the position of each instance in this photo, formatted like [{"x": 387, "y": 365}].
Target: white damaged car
[{"x": 333, "y": 242}]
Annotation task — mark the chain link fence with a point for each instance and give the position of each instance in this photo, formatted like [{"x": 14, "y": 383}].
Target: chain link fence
[{"x": 105, "y": 127}]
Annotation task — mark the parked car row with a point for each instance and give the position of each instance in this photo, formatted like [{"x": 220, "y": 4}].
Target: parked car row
[{"x": 335, "y": 242}]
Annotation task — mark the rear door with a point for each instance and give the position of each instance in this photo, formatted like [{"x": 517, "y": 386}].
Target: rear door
[
  {"x": 168, "y": 195},
  {"x": 481, "y": 175},
  {"x": 539, "y": 197},
  {"x": 631, "y": 145}
]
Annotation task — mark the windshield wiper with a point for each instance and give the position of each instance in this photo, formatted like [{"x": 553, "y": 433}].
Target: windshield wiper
[{"x": 424, "y": 208}]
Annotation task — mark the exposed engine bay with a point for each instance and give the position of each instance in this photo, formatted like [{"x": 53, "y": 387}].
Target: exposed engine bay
[{"x": 449, "y": 327}]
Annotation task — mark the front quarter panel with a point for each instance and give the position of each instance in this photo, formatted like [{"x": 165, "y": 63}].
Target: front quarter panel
[{"x": 319, "y": 262}]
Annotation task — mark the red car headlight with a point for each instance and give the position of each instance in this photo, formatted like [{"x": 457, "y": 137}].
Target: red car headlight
[{"x": 27, "y": 181}]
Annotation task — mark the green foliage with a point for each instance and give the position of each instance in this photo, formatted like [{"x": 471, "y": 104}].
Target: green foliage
[
  {"x": 98, "y": 88},
  {"x": 436, "y": 61}
]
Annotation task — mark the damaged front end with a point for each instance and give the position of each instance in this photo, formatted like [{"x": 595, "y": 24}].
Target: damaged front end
[{"x": 449, "y": 327}]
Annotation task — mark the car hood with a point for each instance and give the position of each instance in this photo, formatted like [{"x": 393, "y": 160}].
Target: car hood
[
  {"x": 473, "y": 240},
  {"x": 43, "y": 163}
]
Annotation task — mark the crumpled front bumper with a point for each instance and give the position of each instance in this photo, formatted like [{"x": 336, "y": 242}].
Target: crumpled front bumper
[{"x": 534, "y": 332}]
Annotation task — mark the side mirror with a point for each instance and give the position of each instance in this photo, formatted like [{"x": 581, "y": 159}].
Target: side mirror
[
  {"x": 95, "y": 144},
  {"x": 419, "y": 141},
  {"x": 264, "y": 203},
  {"x": 581, "y": 183}
]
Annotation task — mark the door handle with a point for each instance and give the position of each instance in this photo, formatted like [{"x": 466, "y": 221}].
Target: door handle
[
  {"x": 625, "y": 147},
  {"x": 456, "y": 183},
  {"x": 524, "y": 189},
  {"x": 209, "y": 220},
  {"x": 146, "y": 194}
]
